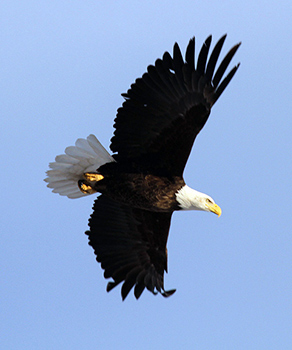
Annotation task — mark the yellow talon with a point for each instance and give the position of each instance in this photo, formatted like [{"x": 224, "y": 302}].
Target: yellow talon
[
  {"x": 85, "y": 188},
  {"x": 93, "y": 177}
]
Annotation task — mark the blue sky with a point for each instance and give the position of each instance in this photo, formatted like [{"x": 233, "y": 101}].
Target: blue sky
[{"x": 63, "y": 67}]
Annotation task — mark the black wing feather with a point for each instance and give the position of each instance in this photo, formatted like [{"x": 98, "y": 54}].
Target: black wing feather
[
  {"x": 225, "y": 82},
  {"x": 202, "y": 59},
  {"x": 190, "y": 54},
  {"x": 214, "y": 57},
  {"x": 165, "y": 109},
  {"x": 224, "y": 64},
  {"x": 178, "y": 62},
  {"x": 130, "y": 244}
]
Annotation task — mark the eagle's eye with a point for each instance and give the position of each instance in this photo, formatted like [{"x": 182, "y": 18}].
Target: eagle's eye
[{"x": 208, "y": 200}]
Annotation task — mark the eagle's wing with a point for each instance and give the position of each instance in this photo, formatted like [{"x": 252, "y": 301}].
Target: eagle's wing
[
  {"x": 165, "y": 109},
  {"x": 130, "y": 244}
]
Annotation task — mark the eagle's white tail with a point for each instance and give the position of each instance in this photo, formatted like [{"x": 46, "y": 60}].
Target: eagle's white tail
[{"x": 86, "y": 156}]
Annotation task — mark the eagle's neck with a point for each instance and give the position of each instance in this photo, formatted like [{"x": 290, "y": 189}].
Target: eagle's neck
[{"x": 189, "y": 199}]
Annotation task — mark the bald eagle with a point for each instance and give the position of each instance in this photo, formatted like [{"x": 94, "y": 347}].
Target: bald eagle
[{"x": 142, "y": 183}]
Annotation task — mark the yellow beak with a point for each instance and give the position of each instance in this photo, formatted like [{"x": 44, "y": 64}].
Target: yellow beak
[{"x": 214, "y": 208}]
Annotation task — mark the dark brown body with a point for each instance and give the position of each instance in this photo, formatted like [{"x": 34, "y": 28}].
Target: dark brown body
[{"x": 149, "y": 192}]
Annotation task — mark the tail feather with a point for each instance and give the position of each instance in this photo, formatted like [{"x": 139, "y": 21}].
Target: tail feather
[{"x": 86, "y": 156}]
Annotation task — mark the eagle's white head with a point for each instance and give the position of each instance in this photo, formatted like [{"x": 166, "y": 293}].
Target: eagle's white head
[{"x": 189, "y": 199}]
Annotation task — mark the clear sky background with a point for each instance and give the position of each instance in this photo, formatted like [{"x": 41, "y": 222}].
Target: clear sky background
[{"x": 63, "y": 66}]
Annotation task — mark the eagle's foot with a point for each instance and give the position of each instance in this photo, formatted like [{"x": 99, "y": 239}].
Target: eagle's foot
[
  {"x": 92, "y": 177},
  {"x": 87, "y": 185}
]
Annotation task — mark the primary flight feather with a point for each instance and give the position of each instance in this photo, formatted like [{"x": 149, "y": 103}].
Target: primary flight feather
[{"x": 142, "y": 184}]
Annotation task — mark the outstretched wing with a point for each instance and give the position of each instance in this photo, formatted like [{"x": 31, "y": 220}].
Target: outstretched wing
[
  {"x": 165, "y": 109},
  {"x": 130, "y": 244}
]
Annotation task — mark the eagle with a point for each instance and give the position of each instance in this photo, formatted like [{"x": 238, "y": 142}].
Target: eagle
[{"x": 141, "y": 184}]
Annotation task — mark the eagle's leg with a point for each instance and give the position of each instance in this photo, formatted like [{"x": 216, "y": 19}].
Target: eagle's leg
[{"x": 86, "y": 185}]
